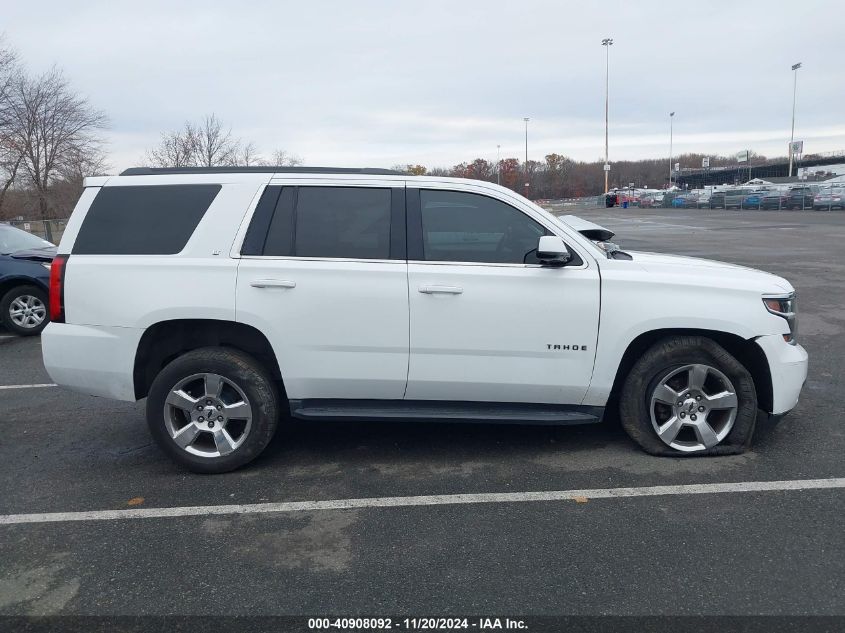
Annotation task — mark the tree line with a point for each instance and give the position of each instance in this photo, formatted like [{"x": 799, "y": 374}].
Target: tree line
[{"x": 558, "y": 176}]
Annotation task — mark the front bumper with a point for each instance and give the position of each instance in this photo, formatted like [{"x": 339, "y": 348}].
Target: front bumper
[{"x": 788, "y": 368}]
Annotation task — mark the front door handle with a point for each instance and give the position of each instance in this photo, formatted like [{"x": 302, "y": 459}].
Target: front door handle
[
  {"x": 446, "y": 290},
  {"x": 273, "y": 283}
]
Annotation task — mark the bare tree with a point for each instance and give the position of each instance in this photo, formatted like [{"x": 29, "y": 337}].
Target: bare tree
[
  {"x": 52, "y": 127},
  {"x": 283, "y": 158},
  {"x": 175, "y": 149},
  {"x": 248, "y": 156},
  {"x": 79, "y": 164},
  {"x": 210, "y": 144},
  {"x": 204, "y": 144},
  {"x": 10, "y": 156},
  {"x": 214, "y": 146}
]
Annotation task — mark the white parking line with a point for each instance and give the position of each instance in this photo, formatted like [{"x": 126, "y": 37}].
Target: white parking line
[
  {"x": 431, "y": 500},
  {"x": 38, "y": 386}
]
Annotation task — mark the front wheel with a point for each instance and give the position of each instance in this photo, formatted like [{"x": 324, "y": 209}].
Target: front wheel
[
  {"x": 688, "y": 396},
  {"x": 213, "y": 409}
]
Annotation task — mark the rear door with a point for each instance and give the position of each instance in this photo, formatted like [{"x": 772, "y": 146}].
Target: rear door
[{"x": 323, "y": 274}]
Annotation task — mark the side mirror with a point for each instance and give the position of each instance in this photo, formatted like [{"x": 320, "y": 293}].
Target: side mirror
[{"x": 551, "y": 251}]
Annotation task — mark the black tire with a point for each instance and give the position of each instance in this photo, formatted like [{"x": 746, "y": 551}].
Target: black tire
[
  {"x": 21, "y": 291},
  {"x": 235, "y": 366},
  {"x": 658, "y": 362}
]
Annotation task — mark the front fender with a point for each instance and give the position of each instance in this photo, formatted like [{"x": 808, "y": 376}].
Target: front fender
[{"x": 630, "y": 309}]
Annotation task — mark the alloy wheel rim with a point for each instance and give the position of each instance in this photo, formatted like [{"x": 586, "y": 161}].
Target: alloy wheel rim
[
  {"x": 208, "y": 415},
  {"x": 27, "y": 311},
  {"x": 693, "y": 407}
]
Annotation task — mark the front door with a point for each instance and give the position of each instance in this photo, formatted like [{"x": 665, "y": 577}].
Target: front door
[{"x": 488, "y": 322}]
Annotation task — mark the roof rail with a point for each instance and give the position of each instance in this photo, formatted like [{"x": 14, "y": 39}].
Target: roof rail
[{"x": 156, "y": 171}]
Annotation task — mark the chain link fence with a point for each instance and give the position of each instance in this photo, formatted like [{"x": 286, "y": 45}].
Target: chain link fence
[{"x": 50, "y": 230}]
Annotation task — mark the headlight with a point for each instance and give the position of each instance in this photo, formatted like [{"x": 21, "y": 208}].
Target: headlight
[{"x": 784, "y": 307}]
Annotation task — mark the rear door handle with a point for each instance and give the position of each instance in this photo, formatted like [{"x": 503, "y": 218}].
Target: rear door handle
[
  {"x": 445, "y": 290},
  {"x": 273, "y": 283}
]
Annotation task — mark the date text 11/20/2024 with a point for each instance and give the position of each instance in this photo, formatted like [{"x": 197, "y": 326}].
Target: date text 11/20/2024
[{"x": 417, "y": 624}]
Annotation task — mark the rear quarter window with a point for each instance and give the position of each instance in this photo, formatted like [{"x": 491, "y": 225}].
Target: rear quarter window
[{"x": 143, "y": 220}]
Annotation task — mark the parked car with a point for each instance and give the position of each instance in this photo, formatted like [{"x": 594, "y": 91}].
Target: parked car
[
  {"x": 24, "y": 280},
  {"x": 775, "y": 199},
  {"x": 717, "y": 200},
  {"x": 801, "y": 197},
  {"x": 753, "y": 200},
  {"x": 680, "y": 201},
  {"x": 368, "y": 294},
  {"x": 610, "y": 200},
  {"x": 651, "y": 201},
  {"x": 735, "y": 197},
  {"x": 668, "y": 198},
  {"x": 828, "y": 199},
  {"x": 703, "y": 200},
  {"x": 691, "y": 200}
]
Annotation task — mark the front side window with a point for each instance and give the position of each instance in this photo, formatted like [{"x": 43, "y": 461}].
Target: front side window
[{"x": 468, "y": 227}]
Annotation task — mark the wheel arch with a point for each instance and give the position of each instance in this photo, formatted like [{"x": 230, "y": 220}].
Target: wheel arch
[
  {"x": 746, "y": 351},
  {"x": 8, "y": 283},
  {"x": 165, "y": 340}
]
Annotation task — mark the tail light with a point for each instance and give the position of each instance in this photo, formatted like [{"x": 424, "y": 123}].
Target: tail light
[{"x": 57, "y": 289}]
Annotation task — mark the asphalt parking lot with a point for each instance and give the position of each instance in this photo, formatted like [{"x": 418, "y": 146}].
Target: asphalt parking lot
[{"x": 773, "y": 552}]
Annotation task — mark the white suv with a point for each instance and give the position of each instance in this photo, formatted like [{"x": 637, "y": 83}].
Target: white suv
[{"x": 229, "y": 297}]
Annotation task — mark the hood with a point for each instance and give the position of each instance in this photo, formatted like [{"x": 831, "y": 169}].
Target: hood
[
  {"x": 45, "y": 254},
  {"x": 718, "y": 273},
  {"x": 588, "y": 229}
]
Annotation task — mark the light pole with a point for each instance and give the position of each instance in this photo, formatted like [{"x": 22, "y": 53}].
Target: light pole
[
  {"x": 498, "y": 165},
  {"x": 607, "y": 43},
  {"x": 795, "y": 68},
  {"x": 526, "y": 119},
  {"x": 671, "y": 119}
]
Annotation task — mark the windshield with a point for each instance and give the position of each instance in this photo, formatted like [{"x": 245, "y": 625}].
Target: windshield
[{"x": 13, "y": 240}]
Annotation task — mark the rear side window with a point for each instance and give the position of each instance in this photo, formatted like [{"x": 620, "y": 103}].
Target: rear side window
[
  {"x": 330, "y": 222},
  {"x": 145, "y": 220},
  {"x": 349, "y": 222}
]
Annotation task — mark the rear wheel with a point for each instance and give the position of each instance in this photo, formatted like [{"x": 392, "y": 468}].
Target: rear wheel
[
  {"x": 24, "y": 310},
  {"x": 688, "y": 396},
  {"x": 213, "y": 409}
]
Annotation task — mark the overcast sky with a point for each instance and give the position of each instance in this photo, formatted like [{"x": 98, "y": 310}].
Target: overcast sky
[{"x": 370, "y": 83}]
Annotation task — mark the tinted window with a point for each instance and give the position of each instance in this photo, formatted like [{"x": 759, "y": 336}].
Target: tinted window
[
  {"x": 279, "y": 241},
  {"x": 151, "y": 220},
  {"x": 349, "y": 222},
  {"x": 467, "y": 227},
  {"x": 256, "y": 234}
]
